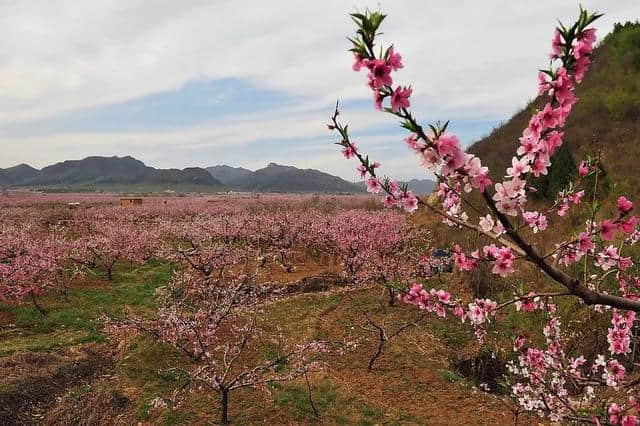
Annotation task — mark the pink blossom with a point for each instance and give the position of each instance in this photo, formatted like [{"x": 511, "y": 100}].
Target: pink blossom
[
  {"x": 607, "y": 258},
  {"x": 582, "y": 49},
  {"x": 585, "y": 243},
  {"x": 349, "y": 151},
  {"x": 518, "y": 167},
  {"x": 529, "y": 303},
  {"x": 541, "y": 164},
  {"x": 413, "y": 143},
  {"x": 553, "y": 141},
  {"x": 543, "y": 84},
  {"x": 576, "y": 197},
  {"x": 620, "y": 332},
  {"x": 628, "y": 225},
  {"x": 503, "y": 264},
  {"x": 359, "y": 62},
  {"x": 486, "y": 223},
  {"x": 373, "y": 185},
  {"x": 583, "y": 169},
  {"x": 614, "y": 412},
  {"x": 556, "y": 45},
  {"x": 607, "y": 228},
  {"x": 380, "y": 74},
  {"x": 480, "y": 310},
  {"x": 581, "y": 67},
  {"x": 394, "y": 59},
  {"x": 537, "y": 221},
  {"x": 389, "y": 201},
  {"x": 548, "y": 116},
  {"x": 461, "y": 260},
  {"x": 625, "y": 263},
  {"x": 624, "y": 205},
  {"x": 377, "y": 100},
  {"x": 588, "y": 35},
  {"x": 400, "y": 98},
  {"x": 562, "y": 209},
  {"x": 430, "y": 158},
  {"x": 409, "y": 202},
  {"x": 393, "y": 186}
]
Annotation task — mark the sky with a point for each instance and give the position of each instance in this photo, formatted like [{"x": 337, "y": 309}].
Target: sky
[{"x": 245, "y": 83}]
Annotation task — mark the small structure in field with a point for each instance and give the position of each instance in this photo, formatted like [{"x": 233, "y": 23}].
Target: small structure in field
[
  {"x": 441, "y": 261},
  {"x": 130, "y": 201},
  {"x": 74, "y": 205}
]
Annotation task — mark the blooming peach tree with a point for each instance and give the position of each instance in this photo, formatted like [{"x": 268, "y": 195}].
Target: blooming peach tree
[
  {"x": 590, "y": 266},
  {"x": 211, "y": 310}
]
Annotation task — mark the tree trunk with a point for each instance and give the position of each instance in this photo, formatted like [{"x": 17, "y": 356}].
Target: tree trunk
[
  {"x": 392, "y": 296},
  {"x": 35, "y": 303},
  {"x": 378, "y": 350},
  {"x": 110, "y": 272},
  {"x": 224, "y": 407}
]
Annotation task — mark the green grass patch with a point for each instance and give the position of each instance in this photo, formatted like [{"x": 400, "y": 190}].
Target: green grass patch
[
  {"x": 295, "y": 399},
  {"x": 74, "y": 318}
]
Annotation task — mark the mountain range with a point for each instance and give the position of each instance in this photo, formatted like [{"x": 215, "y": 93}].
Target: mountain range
[
  {"x": 129, "y": 174},
  {"x": 94, "y": 173}
]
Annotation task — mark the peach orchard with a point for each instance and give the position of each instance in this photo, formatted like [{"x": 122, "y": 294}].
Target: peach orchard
[{"x": 224, "y": 254}]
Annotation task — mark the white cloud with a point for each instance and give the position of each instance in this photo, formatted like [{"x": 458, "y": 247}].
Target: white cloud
[{"x": 465, "y": 59}]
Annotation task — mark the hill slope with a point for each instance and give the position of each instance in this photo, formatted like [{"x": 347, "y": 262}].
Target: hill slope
[
  {"x": 226, "y": 174},
  {"x": 4, "y": 179},
  {"x": 277, "y": 178},
  {"x": 20, "y": 173},
  {"x": 606, "y": 117}
]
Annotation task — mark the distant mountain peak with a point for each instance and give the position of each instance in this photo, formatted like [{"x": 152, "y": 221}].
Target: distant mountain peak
[{"x": 280, "y": 178}]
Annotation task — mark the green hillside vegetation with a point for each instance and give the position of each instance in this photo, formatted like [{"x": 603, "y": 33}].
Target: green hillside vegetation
[{"x": 606, "y": 118}]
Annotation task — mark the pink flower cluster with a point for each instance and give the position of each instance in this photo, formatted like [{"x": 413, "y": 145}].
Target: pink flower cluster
[
  {"x": 612, "y": 371},
  {"x": 380, "y": 81},
  {"x": 462, "y": 261},
  {"x": 550, "y": 377},
  {"x": 438, "y": 301},
  {"x": 528, "y": 303},
  {"x": 481, "y": 310},
  {"x": 445, "y": 153},
  {"x": 502, "y": 258},
  {"x": 398, "y": 198},
  {"x": 487, "y": 224},
  {"x": 432, "y": 301},
  {"x": 542, "y": 137},
  {"x": 566, "y": 199},
  {"x": 617, "y": 415},
  {"x": 619, "y": 335},
  {"x": 573, "y": 252},
  {"x": 536, "y": 221}
]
